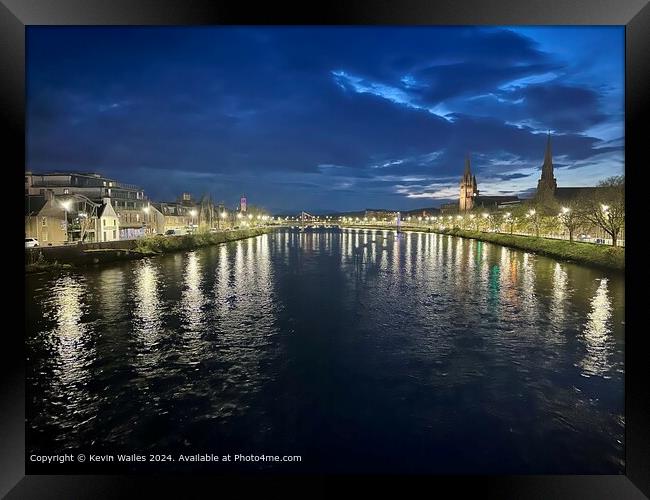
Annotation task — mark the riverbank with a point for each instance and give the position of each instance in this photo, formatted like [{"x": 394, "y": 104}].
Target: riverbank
[
  {"x": 590, "y": 254},
  {"x": 72, "y": 256}
]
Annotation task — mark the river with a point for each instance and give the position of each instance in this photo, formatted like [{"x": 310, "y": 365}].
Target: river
[{"x": 359, "y": 350}]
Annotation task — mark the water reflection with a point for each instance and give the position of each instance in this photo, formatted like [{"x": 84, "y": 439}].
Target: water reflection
[
  {"x": 69, "y": 334},
  {"x": 285, "y": 338},
  {"x": 148, "y": 309},
  {"x": 192, "y": 300},
  {"x": 559, "y": 299},
  {"x": 597, "y": 331}
]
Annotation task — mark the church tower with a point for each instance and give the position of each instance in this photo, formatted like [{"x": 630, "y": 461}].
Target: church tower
[
  {"x": 468, "y": 188},
  {"x": 547, "y": 183}
]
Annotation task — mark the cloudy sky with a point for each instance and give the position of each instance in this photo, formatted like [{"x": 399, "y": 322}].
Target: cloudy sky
[{"x": 328, "y": 118}]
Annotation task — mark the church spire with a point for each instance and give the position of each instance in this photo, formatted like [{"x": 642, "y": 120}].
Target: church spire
[
  {"x": 468, "y": 170},
  {"x": 547, "y": 168},
  {"x": 468, "y": 188},
  {"x": 547, "y": 182}
]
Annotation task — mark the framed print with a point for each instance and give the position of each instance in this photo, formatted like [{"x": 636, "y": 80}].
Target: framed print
[{"x": 373, "y": 242}]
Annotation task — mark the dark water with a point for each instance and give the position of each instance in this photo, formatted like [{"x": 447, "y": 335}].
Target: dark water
[{"x": 360, "y": 351}]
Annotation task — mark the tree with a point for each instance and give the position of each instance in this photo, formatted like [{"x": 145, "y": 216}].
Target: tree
[
  {"x": 509, "y": 220},
  {"x": 570, "y": 217},
  {"x": 533, "y": 219},
  {"x": 605, "y": 207}
]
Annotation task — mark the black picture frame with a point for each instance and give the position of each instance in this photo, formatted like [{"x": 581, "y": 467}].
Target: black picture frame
[{"x": 16, "y": 15}]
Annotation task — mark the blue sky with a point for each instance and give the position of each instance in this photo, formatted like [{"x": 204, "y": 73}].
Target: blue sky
[{"x": 326, "y": 118}]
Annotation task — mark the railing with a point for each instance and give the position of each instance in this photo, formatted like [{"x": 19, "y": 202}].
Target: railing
[{"x": 577, "y": 238}]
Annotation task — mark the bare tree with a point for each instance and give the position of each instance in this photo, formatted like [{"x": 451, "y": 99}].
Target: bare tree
[
  {"x": 605, "y": 208},
  {"x": 570, "y": 217}
]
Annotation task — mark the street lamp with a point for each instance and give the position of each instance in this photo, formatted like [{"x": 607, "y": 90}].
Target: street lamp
[
  {"x": 193, "y": 214},
  {"x": 565, "y": 210}
]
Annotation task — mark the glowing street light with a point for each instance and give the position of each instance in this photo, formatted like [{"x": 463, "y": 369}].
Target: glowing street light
[{"x": 565, "y": 210}]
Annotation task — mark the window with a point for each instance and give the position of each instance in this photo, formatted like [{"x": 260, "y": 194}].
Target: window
[
  {"x": 66, "y": 191},
  {"x": 114, "y": 234},
  {"x": 44, "y": 221},
  {"x": 104, "y": 222},
  {"x": 137, "y": 217}
]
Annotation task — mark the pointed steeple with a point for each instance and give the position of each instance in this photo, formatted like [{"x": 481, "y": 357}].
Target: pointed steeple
[
  {"x": 547, "y": 168},
  {"x": 468, "y": 188},
  {"x": 547, "y": 181},
  {"x": 467, "y": 175}
]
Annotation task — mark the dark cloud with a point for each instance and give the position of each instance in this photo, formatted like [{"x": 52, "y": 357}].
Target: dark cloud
[
  {"x": 507, "y": 177},
  {"x": 300, "y": 116}
]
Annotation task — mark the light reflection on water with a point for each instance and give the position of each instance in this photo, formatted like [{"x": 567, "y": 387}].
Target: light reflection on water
[
  {"x": 414, "y": 340},
  {"x": 597, "y": 331}
]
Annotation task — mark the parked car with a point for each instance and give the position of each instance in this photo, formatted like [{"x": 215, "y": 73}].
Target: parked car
[{"x": 31, "y": 242}]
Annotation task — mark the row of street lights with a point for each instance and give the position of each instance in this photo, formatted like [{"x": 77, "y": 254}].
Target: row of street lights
[{"x": 440, "y": 220}]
